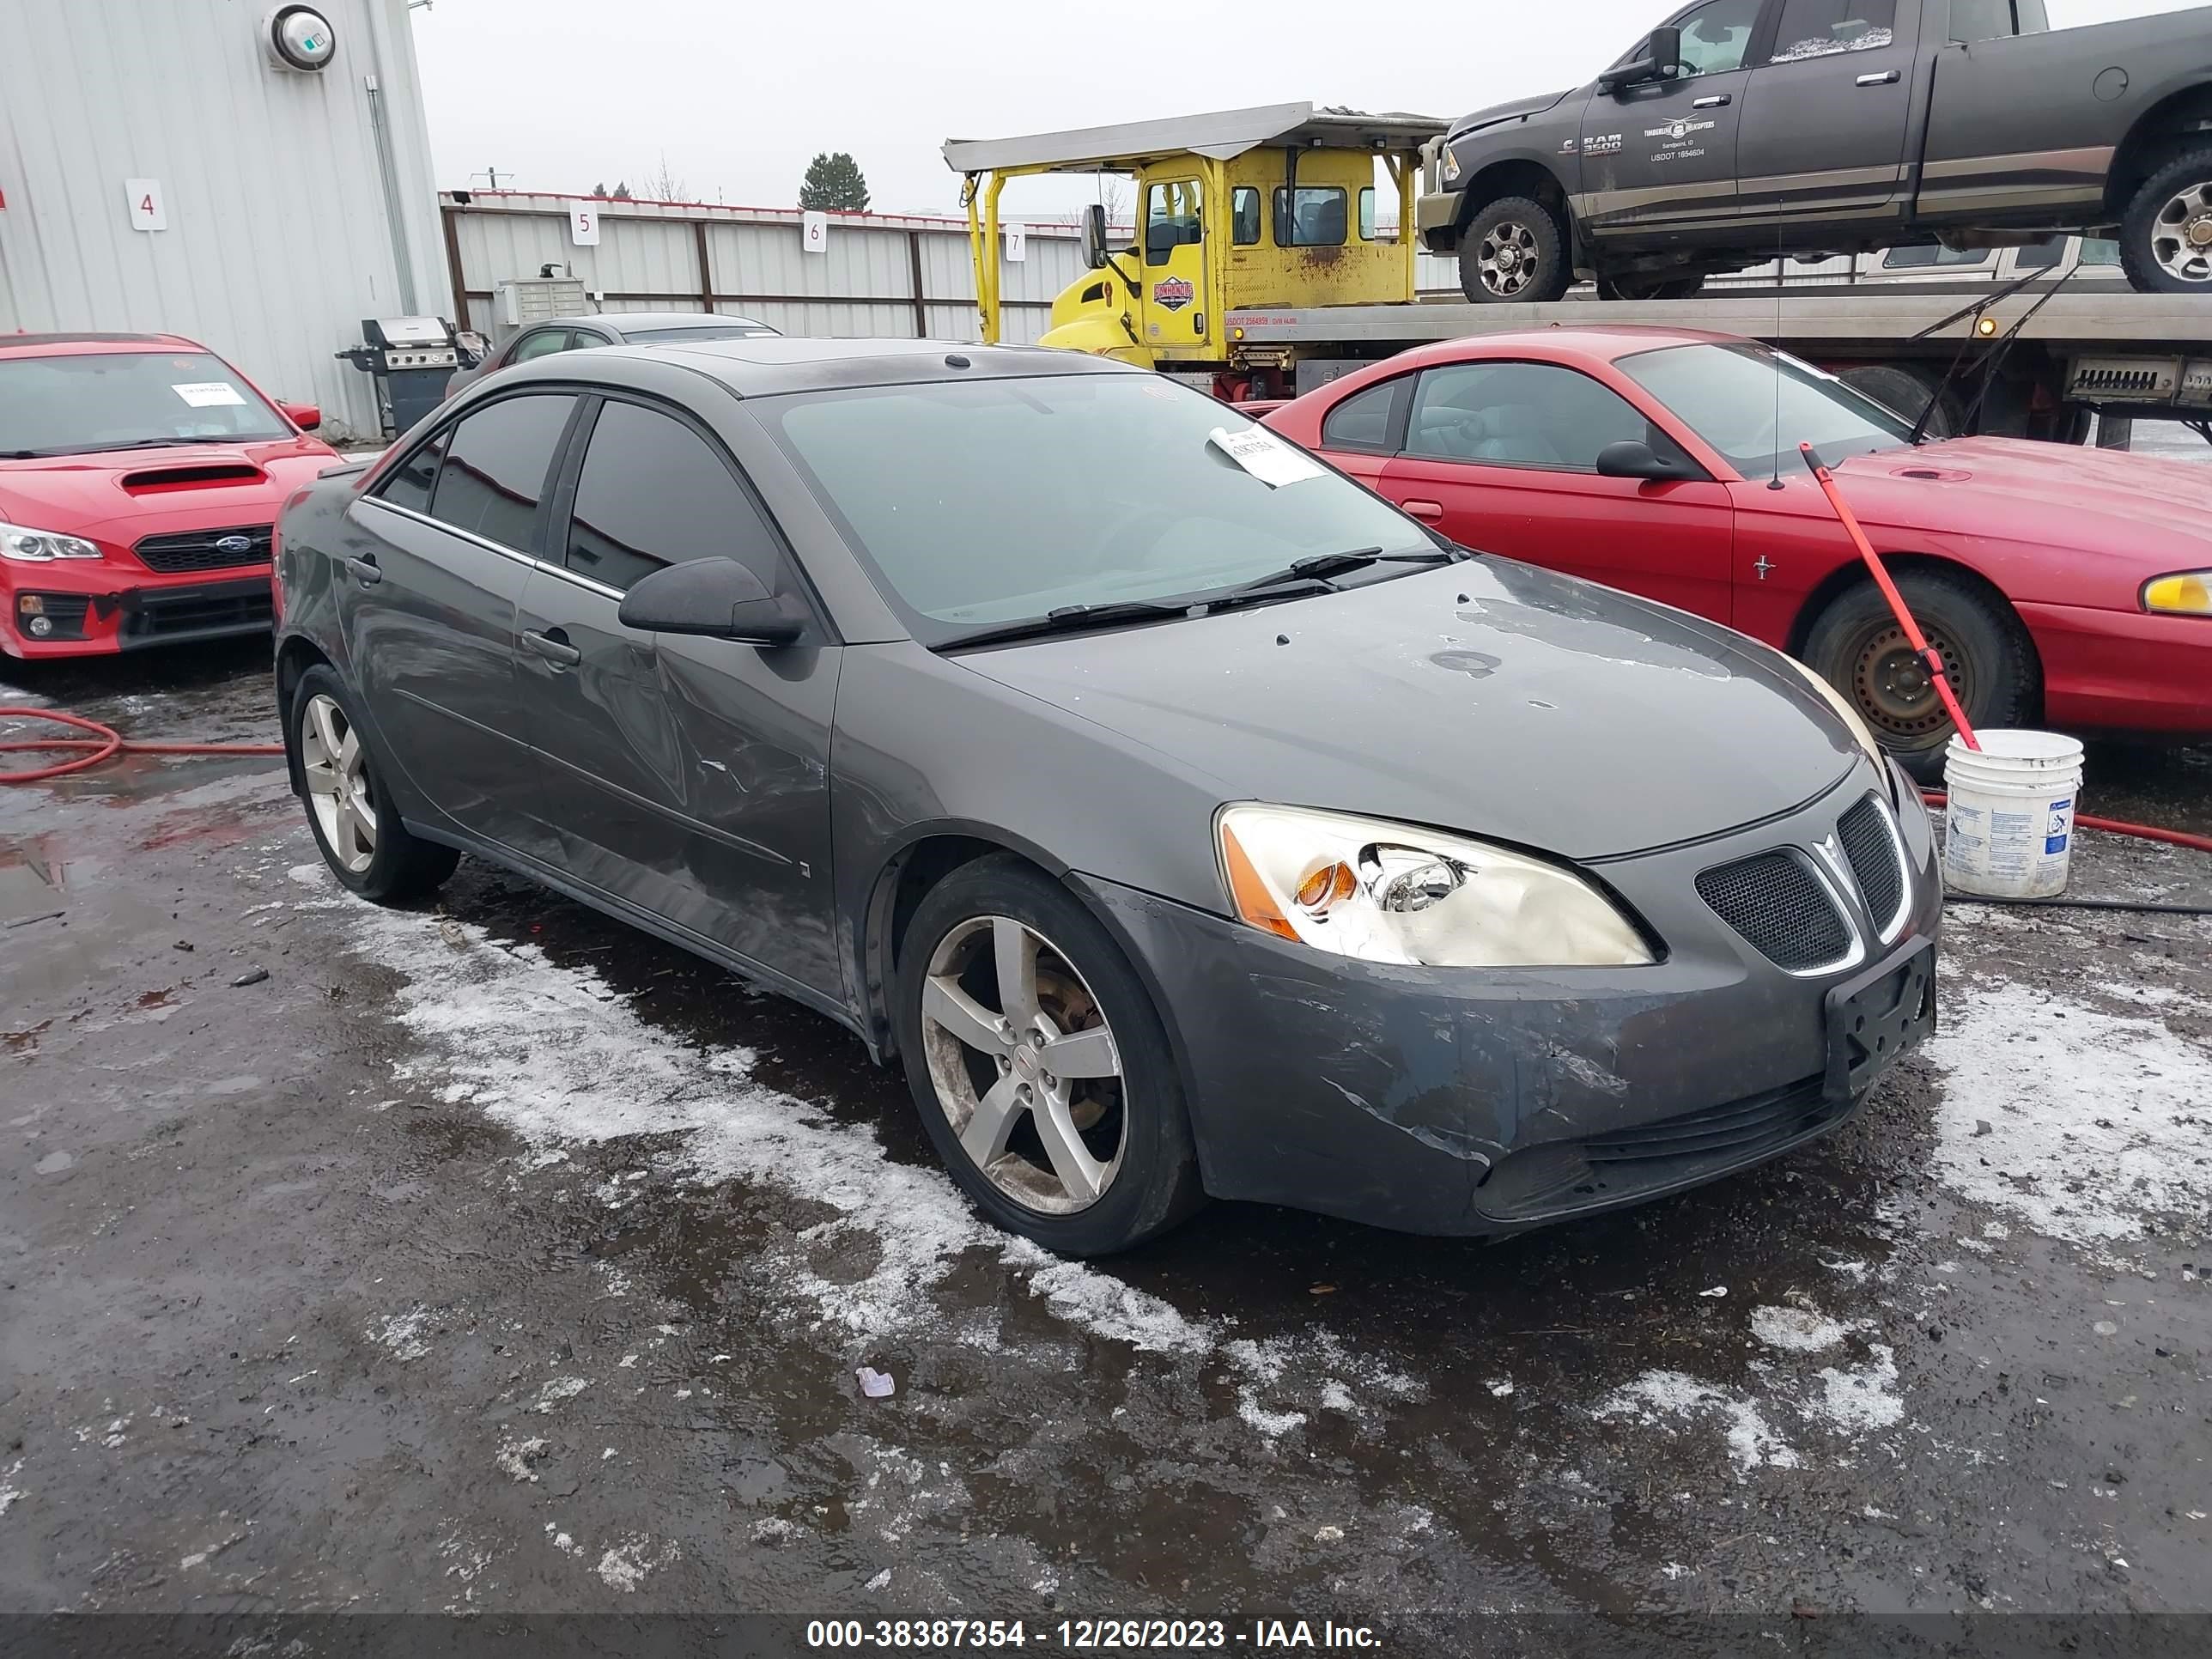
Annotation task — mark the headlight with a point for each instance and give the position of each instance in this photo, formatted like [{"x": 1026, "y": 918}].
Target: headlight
[
  {"x": 37, "y": 546},
  {"x": 1848, "y": 716},
  {"x": 1389, "y": 892},
  {"x": 1448, "y": 164},
  {"x": 2189, "y": 594}
]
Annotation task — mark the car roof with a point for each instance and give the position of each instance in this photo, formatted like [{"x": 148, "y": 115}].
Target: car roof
[
  {"x": 65, "y": 345},
  {"x": 1602, "y": 343},
  {"x": 767, "y": 364},
  {"x": 622, "y": 321}
]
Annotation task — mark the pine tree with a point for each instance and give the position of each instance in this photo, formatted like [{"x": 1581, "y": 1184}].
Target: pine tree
[
  {"x": 599, "y": 191},
  {"x": 621, "y": 193},
  {"x": 834, "y": 185}
]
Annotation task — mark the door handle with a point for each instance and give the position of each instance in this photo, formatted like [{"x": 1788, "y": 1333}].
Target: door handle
[
  {"x": 364, "y": 569},
  {"x": 1425, "y": 510},
  {"x": 1716, "y": 101},
  {"x": 1887, "y": 78},
  {"x": 553, "y": 647}
]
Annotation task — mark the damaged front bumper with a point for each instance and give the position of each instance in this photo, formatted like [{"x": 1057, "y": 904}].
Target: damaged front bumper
[{"x": 1473, "y": 1101}]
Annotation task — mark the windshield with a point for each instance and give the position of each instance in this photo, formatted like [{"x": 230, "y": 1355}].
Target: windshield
[
  {"x": 120, "y": 399},
  {"x": 1731, "y": 395},
  {"x": 982, "y": 503}
]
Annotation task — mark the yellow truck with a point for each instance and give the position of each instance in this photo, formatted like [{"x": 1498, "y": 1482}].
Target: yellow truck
[{"x": 1240, "y": 210}]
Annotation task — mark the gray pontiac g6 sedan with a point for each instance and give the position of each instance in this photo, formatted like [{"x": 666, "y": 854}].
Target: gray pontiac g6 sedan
[{"x": 1184, "y": 819}]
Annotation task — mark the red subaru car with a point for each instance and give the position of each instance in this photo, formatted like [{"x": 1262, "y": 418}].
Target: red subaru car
[
  {"x": 2061, "y": 584},
  {"x": 140, "y": 477}
]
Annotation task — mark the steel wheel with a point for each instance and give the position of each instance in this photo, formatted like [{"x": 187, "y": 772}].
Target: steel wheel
[
  {"x": 2181, "y": 235},
  {"x": 1024, "y": 1065},
  {"x": 339, "y": 789},
  {"x": 1894, "y": 690},
  {"x": 1508, "y": 258}
]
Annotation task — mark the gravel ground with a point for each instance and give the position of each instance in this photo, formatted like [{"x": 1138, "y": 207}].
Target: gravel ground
[{"x": 494, "y": 1258}]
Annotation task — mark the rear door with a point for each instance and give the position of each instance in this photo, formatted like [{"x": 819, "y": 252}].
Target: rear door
[
  {"x": 444, "y": 549},
  {"x": 1825, "y": 118},
  {"x": 687, "y": 777},
  {"x": 1502, "y": 457},
  {"x": 1663, "y": 154}
]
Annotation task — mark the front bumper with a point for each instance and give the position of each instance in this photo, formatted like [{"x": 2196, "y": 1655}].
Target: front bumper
[
  {"x": 1435, "y": 214},
  {"x": 2123, "y": 670},
  {"x": 98, "y": 609},
  {"x": 1466, "y": 1102}
]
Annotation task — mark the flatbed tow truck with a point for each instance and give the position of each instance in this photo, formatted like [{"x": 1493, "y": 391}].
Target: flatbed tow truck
[{"x": 1264, "y": 265}]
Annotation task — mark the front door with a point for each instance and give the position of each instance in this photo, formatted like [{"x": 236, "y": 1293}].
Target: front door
[
  {"x": 1173, "y": 249},
  {"x": 1502, "y": 457},
  {"x": 435, "y": 563},
  {"x": 1824, "y": 121},
  {"x": 688, "y": 777},
  {"x": 1662, "y": 154}
]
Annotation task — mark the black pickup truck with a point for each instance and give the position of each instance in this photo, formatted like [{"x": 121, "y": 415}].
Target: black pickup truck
[{"x": 1742, "y": 129}]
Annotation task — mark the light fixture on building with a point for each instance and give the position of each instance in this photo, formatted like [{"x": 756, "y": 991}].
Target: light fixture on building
[{"x": 298, "y": 38}]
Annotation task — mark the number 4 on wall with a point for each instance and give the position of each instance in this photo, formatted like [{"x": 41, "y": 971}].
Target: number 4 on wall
[{"x": 149, "y": 210}]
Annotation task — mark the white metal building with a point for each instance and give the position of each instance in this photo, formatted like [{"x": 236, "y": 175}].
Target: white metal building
[{"x": 159, "y": 170}]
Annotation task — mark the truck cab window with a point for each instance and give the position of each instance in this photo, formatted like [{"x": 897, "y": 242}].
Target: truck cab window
[
  {"x": 1717, "y": 36},
  {"x": 1817, "y": 28},
  {"x": 1171, "y": 219},
  {"x": 1244, "y": 215},
  {"x": 1996, "y": 20},
  {"x": 1312, "y": 216}
]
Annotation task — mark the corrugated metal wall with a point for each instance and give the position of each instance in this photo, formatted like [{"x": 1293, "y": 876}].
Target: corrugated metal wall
[
  {"x": 278, "y": 243},
  {"x": 648, "y": 259}
]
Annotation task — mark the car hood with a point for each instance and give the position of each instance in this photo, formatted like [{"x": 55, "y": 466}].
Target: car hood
[
  {"x": 1507, "y": 111},
  {"x": 1489, "y": 697},
  {"x": 191, "y": 485},
  {"x": 2083, "y": 500}
]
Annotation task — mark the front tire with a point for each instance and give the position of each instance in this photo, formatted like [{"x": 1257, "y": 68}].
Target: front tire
[
  {"x": 1040, "y": 1065},
  {"x": 1514, "y": 251},
  {"x": 1858, "y": 648},
  {"x": 2166, "y": 236},
  {"x": 356, "y": 827}
]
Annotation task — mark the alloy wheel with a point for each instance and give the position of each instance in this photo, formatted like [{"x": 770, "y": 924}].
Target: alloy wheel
[
  {"x": 1508, "y": 258},
  {"x": 1024, "y": 1064},
  {"x": 337, "y": 770},
  {"x": 2181, "y": 236}
]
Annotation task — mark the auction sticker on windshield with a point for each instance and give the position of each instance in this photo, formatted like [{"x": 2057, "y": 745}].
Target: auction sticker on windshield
[
  {"x": 1268, "y": 458},
  {"x": 209, "y": 394}
]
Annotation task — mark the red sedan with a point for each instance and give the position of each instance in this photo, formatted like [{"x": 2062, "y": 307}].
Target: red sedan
[
  {"x": 140, "y": 477},
  {"x": 2061, "y": 584}
]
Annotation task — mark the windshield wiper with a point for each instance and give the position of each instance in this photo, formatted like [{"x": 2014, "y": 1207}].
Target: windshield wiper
[
  {"x": 150, "y": 443},
  {"x": 1069, "y": 618},
  {"x": 1319, "y": 566}
]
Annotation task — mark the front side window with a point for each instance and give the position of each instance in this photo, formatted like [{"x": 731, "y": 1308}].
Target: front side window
[
  {"x": 409, "y": 482},
  {"x": 2040, "y": 256},
  {"x": 76, "y": 404},
  {"x": 1171, "y": 219},
  {"x": 1717, "y": 36},
  {"x": 2099, "y": 251},
  {"x": 1519, "y": 415},
  {"x": 543, "y": 343},
  {"x": 1739, "y": 397},
  {"x": 653, "y": 492},
  {"x": 1931, "y": 256},
  {"x": 1244, "y": 215},
  {"x": 1312, "y": 216},
  {"x": 1820, "y": 28},
  {"x": 1996, "y": 20},
  {"x": 496, "y": 467},
  {"x": 981, "y": 502}
]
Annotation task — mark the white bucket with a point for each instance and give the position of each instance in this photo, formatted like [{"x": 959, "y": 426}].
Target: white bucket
[{"x": 2008, "y": 830}]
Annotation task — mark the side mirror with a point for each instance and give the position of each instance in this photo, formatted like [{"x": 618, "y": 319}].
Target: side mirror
[
  {"x": 718, "y": 599},
  {"x": 306, "y": 416},
  {"x": 1094, "y": 236},
  {"x": 1662, "y": 61},
  {"x": 1631, "y": 459}
]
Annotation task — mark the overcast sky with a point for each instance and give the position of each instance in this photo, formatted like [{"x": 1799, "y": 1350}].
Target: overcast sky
[{"x": 562, "y": 95}]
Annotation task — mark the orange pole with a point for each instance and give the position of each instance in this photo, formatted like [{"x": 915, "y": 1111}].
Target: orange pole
[{"x": 1912, "y": 633}]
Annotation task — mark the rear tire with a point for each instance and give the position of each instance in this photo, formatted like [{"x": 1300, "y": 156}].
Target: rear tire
[
  {"x": 355, "y": 825},
  {"x": 2159, "y": 245},
  {"x": 1647, "y": 285},
  {"x": 1856, "y": 645},
  {"x": 1904, "y": 393},
  {"x": 1514, "y": 251},
  {"x": 1085, "y": 1163}
]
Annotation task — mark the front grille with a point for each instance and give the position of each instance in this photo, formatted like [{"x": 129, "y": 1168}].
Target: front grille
[
  {"x": 1560, "y": 1177},
  {"x": 1872, "y": 850},
  {"x": 173, "y": 554},
  {"x": 1775, "y": 903}
]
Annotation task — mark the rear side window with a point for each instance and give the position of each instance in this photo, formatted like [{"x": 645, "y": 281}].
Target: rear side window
[
  {"x": 1996, "y": 20},
  {"x": 1312, "y": 216},
  {"x": 496, "y": 464},
  {"x": 654, "y": 492},
  {"x": 1244, "y": 215},
  {"x": 409, "y": 483},
  {"x": 543, "y": 343},
  {"x": 1819, "y": 28},
  {"x": 1365, "y": 420}
]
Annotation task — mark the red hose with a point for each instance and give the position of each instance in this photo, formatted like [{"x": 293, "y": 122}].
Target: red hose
[{"x": 105, "y": 744}]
